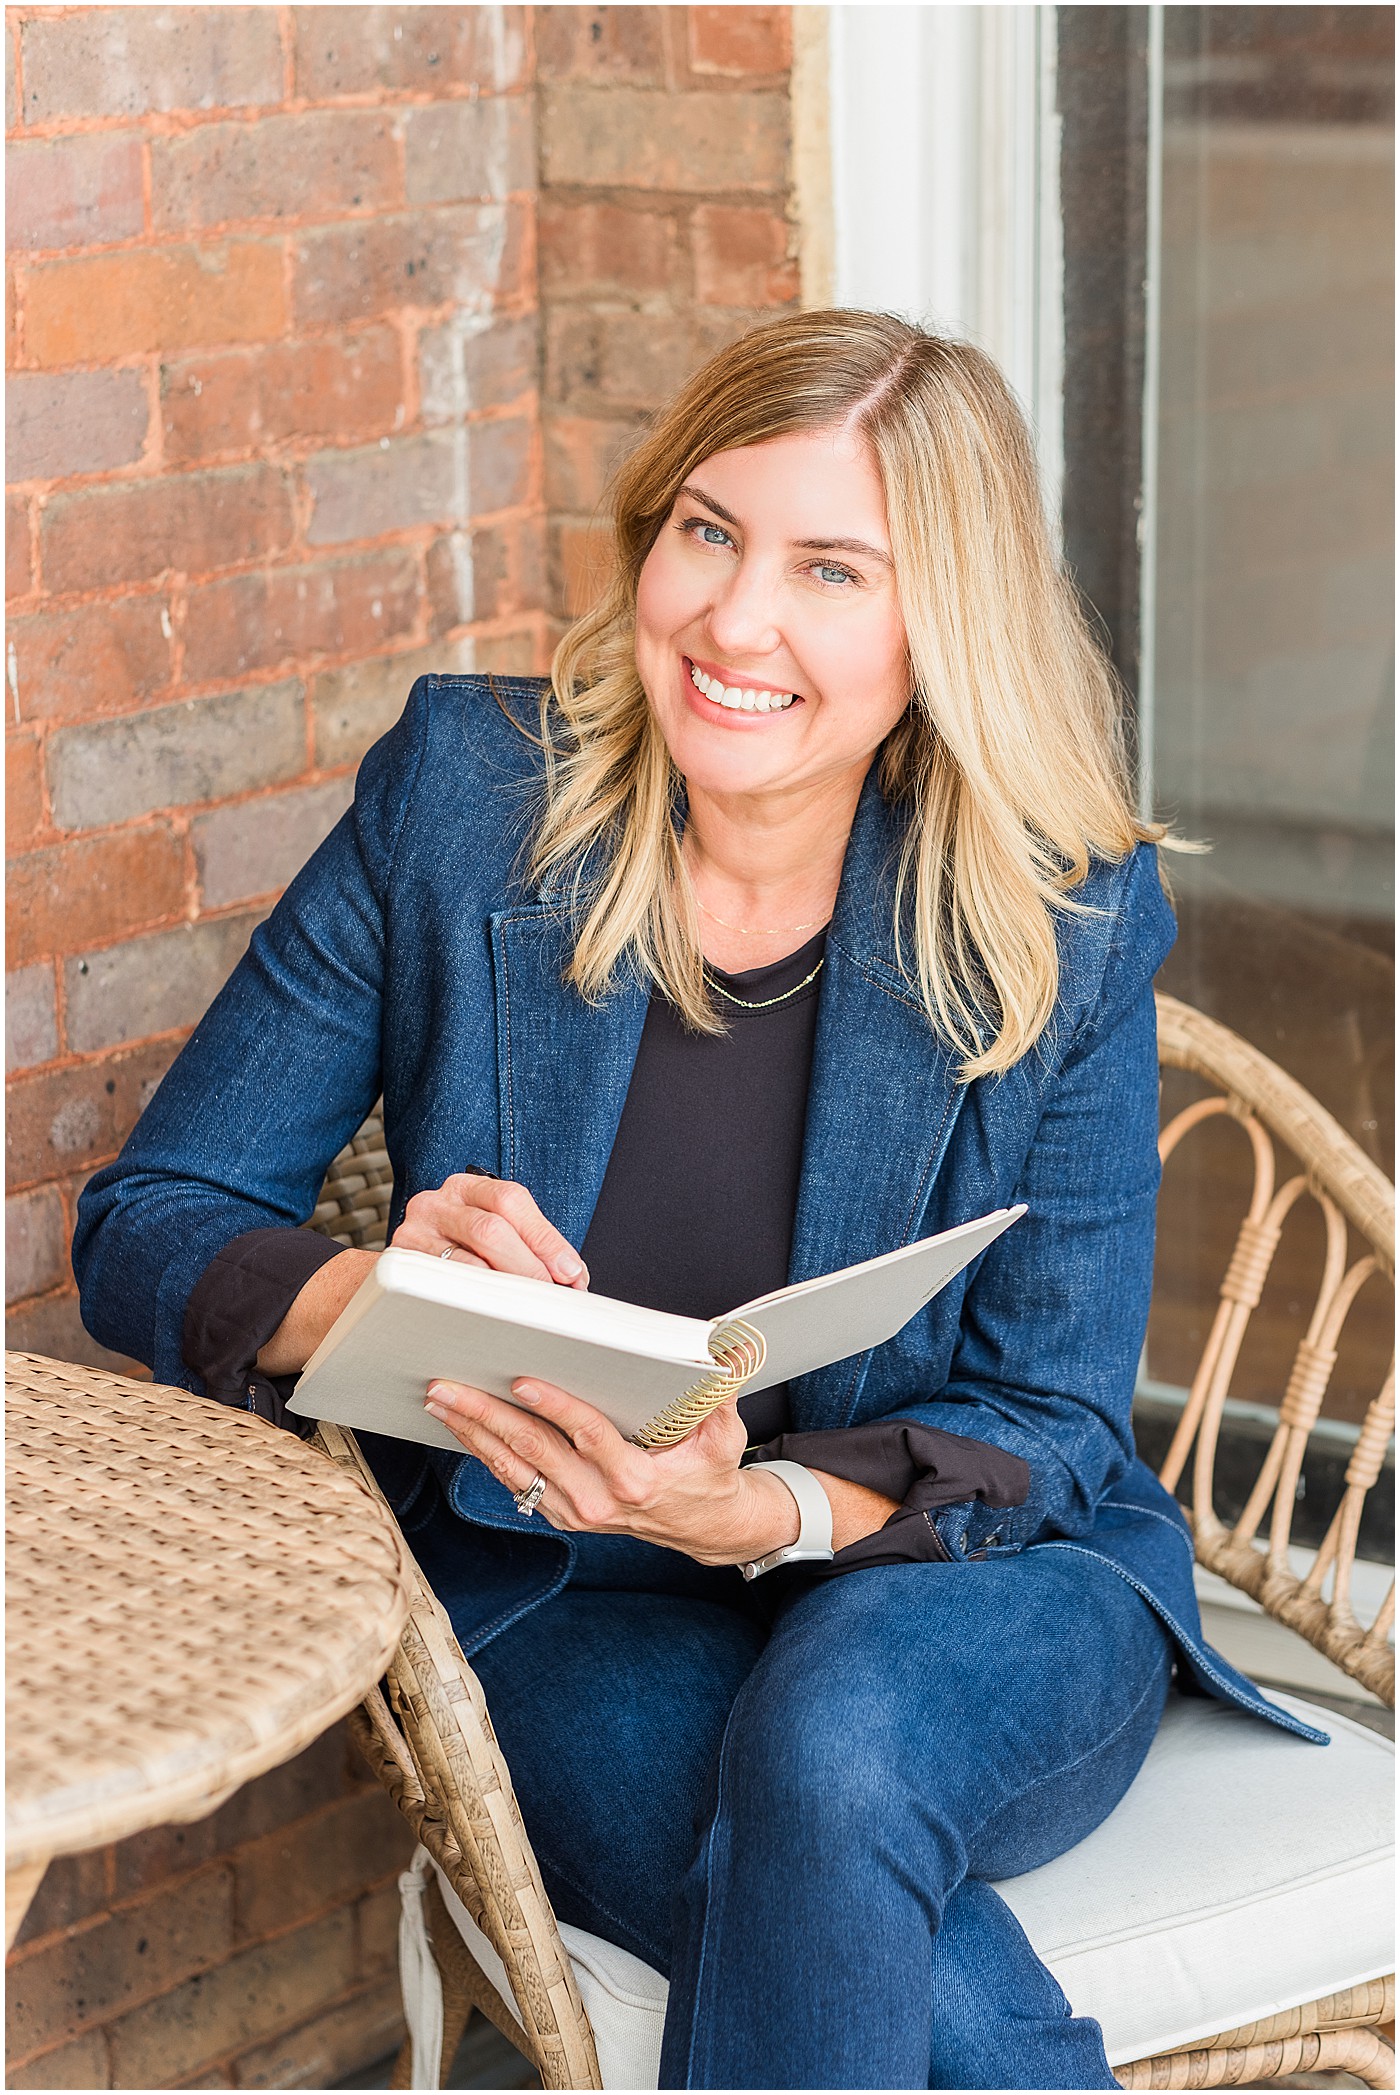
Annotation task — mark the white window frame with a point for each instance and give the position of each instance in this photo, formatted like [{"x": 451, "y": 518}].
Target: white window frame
[{"x": 945, "y": 194}]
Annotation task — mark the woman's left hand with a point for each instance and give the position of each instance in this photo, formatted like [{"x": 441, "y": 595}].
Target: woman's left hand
[{"x": 693, "y": 1497}]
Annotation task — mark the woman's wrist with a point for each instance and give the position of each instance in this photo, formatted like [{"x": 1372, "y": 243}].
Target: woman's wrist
[
  {"x": 314, "y": 1311},
  {"x": 771, "y": 1518}
]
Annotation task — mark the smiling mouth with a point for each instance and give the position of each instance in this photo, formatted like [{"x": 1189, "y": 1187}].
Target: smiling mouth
[{"x": 739, "y": 698}]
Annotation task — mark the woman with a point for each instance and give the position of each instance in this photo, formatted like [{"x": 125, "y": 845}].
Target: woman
[{"x": 814, "y": 918}]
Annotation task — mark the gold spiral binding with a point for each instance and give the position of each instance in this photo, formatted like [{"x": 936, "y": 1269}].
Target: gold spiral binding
[{"x": 739, "y": 1352}]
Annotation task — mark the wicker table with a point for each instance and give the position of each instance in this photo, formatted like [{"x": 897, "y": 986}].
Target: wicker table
[{"x": 192, "y": 1597}]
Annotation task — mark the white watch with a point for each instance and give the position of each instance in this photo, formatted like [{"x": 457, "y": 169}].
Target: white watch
[{"x": 813, "y": 1544}]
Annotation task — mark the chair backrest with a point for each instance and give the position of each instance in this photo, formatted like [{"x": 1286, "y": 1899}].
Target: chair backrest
[
  {"x": 1267, "y": 1105},
  {"x": 1253, "y": 1553}
]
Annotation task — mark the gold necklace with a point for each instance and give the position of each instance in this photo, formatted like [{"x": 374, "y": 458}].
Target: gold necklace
[
  {"x": 767, "y": 1003},
  {"x": 776, "y": 931}
]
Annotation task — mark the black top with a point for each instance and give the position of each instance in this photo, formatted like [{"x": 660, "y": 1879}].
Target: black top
[
  {"x": 696, "y": 1209},
  {"x": 695, "y": 1215}
]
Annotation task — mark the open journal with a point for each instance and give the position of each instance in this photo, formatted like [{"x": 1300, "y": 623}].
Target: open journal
[{"x": 415, "y": 1318}]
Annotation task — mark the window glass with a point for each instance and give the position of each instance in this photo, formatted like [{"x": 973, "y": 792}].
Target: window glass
[{"x": 1269, "y": 726}]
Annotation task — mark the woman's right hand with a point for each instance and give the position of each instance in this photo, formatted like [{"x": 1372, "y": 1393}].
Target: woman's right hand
[{"x": 489, "y": 1222}]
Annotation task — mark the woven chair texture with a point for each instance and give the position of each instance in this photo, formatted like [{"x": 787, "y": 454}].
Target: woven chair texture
[
  {"x": 431, "y": 1744},
  {"x": 150, "y": 1543}
]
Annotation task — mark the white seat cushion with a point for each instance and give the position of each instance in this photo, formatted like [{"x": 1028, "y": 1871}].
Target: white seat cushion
[{"x": 1244, "y": 1872}]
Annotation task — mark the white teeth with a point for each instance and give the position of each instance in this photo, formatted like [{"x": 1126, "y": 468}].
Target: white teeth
[{"x": 735, "y": 699}]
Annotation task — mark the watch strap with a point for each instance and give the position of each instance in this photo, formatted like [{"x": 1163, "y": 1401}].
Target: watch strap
[{"x": 813, "y": 1544}]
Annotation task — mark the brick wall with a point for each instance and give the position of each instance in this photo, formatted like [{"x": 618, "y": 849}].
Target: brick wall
[
  {"x": 665, "y": 226},
  {"x": 254, "y": 1949},
  {"x": 324, "y": 325},
  {"x": 271, "y": 412}
]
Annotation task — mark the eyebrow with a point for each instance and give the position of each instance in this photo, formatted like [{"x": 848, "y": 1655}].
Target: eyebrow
[{"x": 806, "y": 545}]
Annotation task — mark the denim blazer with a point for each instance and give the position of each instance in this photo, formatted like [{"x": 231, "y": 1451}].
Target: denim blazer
[{"x": 411, "y": 956}]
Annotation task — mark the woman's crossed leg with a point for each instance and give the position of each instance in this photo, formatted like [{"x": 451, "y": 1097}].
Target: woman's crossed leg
[{"x": 792, "y": 1819}]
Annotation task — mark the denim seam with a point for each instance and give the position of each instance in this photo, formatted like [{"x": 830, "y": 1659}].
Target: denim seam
[
  {"x": 1058, "y": 1774},
  {"x": 721, "y": 1780},
  {"x": 590, "y": 1897},
  {"x": 410, "y": 787},
  {"x": 1198, "y": 1650},
  {"x": 508, "y": 1157}
]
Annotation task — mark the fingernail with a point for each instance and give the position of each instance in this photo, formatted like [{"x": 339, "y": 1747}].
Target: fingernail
[
  {"x": 570, "y": 1265},
  {"x": 436, "y": 1389},
  {"x": 526, "y": 1392},
  {"x": 436, "y": 1410}
]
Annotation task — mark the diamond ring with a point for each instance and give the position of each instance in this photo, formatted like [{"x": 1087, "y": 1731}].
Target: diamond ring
[{"x": 527, "y": 1500}]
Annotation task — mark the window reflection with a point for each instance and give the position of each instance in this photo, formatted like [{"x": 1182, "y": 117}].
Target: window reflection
[{"x": 1271, "y": 729}]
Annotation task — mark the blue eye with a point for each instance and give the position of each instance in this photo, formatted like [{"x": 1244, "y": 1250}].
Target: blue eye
[
  {"x": 827, "y": 573},
  {"x": 714, "y": 534}
]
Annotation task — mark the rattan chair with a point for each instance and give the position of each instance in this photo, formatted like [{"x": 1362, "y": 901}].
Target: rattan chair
[{"x": 428, "y": 1736}]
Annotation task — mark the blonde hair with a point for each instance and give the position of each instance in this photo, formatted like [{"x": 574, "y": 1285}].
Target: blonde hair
[{"x": 1010, "y": 757}]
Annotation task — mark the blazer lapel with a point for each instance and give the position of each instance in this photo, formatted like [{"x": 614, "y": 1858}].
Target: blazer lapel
[
  {"x": 882, "y": 1103},
  {"x": 564, "y": 1065}
]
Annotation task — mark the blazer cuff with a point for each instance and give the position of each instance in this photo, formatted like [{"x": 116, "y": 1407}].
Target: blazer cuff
[
  {"x": 948, "y": 1487},
  {"x": 235, "y": 1306}
]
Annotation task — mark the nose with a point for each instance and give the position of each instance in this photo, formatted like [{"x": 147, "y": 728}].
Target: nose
[{"x": 743, "y": 618}]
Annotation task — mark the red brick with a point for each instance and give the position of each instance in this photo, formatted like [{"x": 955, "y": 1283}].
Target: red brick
[
  {"x": 53, "y": 1325},
  {"x": 738, "y": 40},
  {"x": 464, "y": 254},
  {"x": 36, "y": 1244},
  {"x": 146, "y": 1860},
  {"x": 369, "y": 50},
  {"x": 500, "y": 464},
  {"x": 474, "y": 362},
  {"x": 24, "y": 792},
  {"x": 323, "y": 2052},
  {"x": 255, "y": 846},
  {"x": 600, "y": 362},
  {"x": 106, "y": 885},
  {"x": 377, "y": 1918},
  {"x": 297, "y": 1872},
  {"x": 73, "y": 192},
  {"x": 645, "y": 138},
  {"x": 126, "y": 61},
  {"x": 62, "y": 423},
  {"x": 92, "y": 659},
  {"x": 443, "y": 476},
  {"x": 326, "y": 1769},
  {"x": 253, "y": 1995},
  {"x": 112, "y": 771},
  {"x": 521, "y": 650},
  {"x": 600, "y": 43},
  {"x": 191, "y": 523},
  {"x": 256, "y": 621},
  {"x": 12, "y": 111},
  {"x": 31, "y": 1017},
  {"x": 72, "y": 1888},
  {"x": 741, "y": 257},
  {"x": 19, "y": 575},
  {"x": 162, "y": 983},
  {"x": 318, "y": 163},
  {"x": 65, "y": 1120},
  {"x": 456, "y": 151},
  {"x": 606, "y": 250},
  {"x": 352, "y": 707},
  {"x": 81, "y": 2064},
  {"x": 143, "y": 1950},
  {"x": 145, "y": 300},
  {"x": 579, "y": 455},
  {"x": 288, "y": 391},
  {"x": 495, "y": 573}
]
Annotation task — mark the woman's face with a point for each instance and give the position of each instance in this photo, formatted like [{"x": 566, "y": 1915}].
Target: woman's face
[{"x": 769, "y": 636}]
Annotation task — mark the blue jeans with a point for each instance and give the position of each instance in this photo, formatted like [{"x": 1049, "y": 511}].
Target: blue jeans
[{"x": 788, "y": 1797}]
